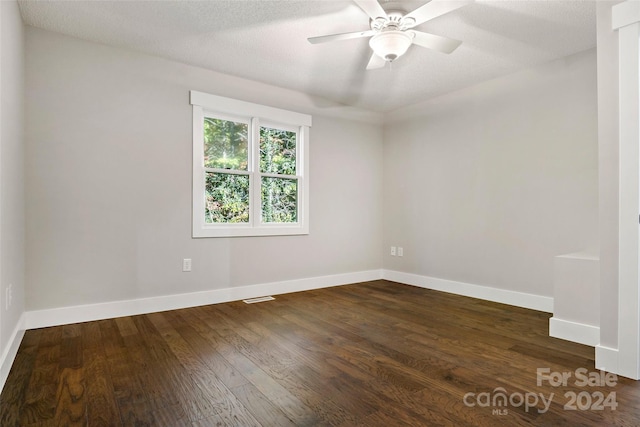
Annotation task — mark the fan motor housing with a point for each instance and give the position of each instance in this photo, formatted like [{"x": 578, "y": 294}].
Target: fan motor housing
[{"x": 394, "y": 21}]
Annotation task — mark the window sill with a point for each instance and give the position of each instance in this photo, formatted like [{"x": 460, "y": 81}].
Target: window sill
[{"x": 244, "y": 231}]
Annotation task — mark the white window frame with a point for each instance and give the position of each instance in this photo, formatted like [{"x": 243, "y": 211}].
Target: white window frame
[{"x": 207, "y": 105}]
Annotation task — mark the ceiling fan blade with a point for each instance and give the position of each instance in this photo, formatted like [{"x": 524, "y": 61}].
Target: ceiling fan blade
[
  {"x": 435, "y": 8},
  {"x": 343, "y": 36},
  {"x": 439, "y": 43},
  {"x": 372, "y": 8},
  {"x": 376, "y": 62}
]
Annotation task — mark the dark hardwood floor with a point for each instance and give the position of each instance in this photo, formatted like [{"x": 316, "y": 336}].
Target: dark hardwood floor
[{"x": 368, "y": 354}]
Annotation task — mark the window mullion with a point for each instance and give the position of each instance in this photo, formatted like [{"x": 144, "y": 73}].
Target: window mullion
[
  {"x": 256, "y": 190},
  {"x": 226, "y": 171},
  {"x": 279, "y": 175}
]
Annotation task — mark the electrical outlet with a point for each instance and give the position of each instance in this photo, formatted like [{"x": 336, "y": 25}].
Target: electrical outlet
[
  {"x": 400, "y": 251},
  {"x": 393, "y": 251},
  {"x": 186, "y": 264},
  {"x": 9, "y": 297}
]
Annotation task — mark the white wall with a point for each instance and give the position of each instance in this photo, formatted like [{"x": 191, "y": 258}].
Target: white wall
[
  {"x": 11, "y": 181},
  {"x": 486, "y": 185},
  {"x": 108, "y": 174}
]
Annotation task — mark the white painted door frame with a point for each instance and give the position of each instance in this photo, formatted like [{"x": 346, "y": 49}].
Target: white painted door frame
[{"x": 626, "y": 21}]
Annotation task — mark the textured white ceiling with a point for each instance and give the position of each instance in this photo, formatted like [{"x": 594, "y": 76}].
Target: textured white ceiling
[{"x": 266, "y": 41}]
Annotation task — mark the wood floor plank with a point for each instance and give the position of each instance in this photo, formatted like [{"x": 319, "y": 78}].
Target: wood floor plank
[
  {"x": 369, "y": 354},
  {"x": 173, "y": 390},
  {"x": 281, "y": 365},
  {"x": 173, "y": 416},
  {"x": 116, "y": 358},
  {"x": 70, "y": 398},
  {"x": 13, "y": 407},
  {"x": 208, "y": 350},
  {"x": 290, "y": 404},
  {"x": 361, "y": 390},
  {"x": 260, "y": 406},
  {"x": 40, "y": 395},
  {"x": 475, "y": 353},
  {"x": 102, "y": 409},
  {"x": 161, "y": 371},
  {"x": 126, "y": 326},
  {"x": 197, "y": 406},
  {"x": 213, "y": 399},
  {"x": 345, "y": 384}
]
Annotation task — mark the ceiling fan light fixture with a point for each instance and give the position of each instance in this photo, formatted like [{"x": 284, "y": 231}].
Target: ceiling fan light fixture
[{"x": 391, "y": 45}]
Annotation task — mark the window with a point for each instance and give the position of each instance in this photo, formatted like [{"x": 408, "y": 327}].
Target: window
[{"x": 250, "y": 169}]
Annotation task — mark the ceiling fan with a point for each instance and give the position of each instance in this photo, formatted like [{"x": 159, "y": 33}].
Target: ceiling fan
[{"x": 391, "y": 29}]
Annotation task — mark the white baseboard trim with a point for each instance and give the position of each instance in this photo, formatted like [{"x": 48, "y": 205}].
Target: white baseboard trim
[
  {"x": 607, "y": 359},
  {"x": 575, "y": 332},
  {"x": 518, "y": 299},
  {"x": 10, "y": 352},
  {"x": 85, "y": 313}
]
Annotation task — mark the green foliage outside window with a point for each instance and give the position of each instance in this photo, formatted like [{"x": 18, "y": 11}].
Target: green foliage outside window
[
  {"x": 279, "y": 200},
  {"x": 278, "y": 156},
  {"x": 227, "y": 198},
  {"x": 277, "y": 151},
  {"x": 225, "y": 144},
  {"x": 227, "y": 194}
]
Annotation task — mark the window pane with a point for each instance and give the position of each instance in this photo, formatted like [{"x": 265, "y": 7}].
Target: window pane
[
  {"x": 279, "y": 200},
  {"x": 225, "y": 144},
  {"x": 277, "y": 151},
  {"x": 227, "y": 198}
]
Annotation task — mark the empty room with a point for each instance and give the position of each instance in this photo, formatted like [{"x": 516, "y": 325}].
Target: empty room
[{"x": 319, "y": 212}]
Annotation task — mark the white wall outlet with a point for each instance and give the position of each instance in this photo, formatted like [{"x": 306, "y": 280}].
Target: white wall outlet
[
  {"x": 393, "y": 251},
  {"x": 186, "y": 264},
  {"x": 400, "y": 251},
  {"x": 8, "y": 297}
]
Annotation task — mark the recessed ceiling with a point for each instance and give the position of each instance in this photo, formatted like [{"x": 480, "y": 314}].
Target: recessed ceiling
[{"x": 266, "y": 41}]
